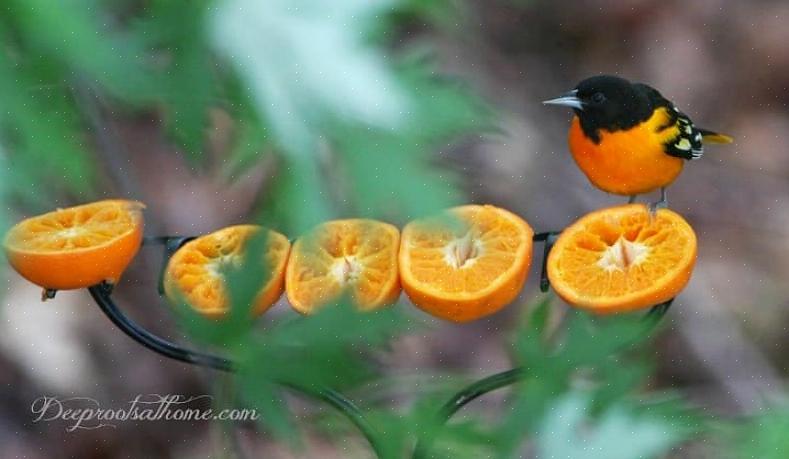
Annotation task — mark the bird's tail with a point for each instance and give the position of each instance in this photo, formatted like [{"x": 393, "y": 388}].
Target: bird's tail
[{"x": 714, "y": 137}]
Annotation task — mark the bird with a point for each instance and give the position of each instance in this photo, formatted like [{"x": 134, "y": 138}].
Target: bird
[{"x": 630, "y": 140}]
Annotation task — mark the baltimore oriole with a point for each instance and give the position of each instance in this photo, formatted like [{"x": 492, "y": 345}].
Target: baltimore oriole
[{"x": 628, "y": 139}]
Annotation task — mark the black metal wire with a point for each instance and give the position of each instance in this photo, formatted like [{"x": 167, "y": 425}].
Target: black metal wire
[
  {"x": 494, "y": 382},
  {"x": 171, "y": 245},
  {"x": 548, "y": 238},
  {"x": 101, "y": 294}
]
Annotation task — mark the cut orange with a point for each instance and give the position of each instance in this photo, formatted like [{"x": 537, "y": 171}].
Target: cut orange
[
  {"x": 357, "y": 257},
  {"x": 467, "y": 264},
  {"x": 76, "y": 247},
  {"x": 195, "y": 270},
  {"x": 621, "y": 259}
]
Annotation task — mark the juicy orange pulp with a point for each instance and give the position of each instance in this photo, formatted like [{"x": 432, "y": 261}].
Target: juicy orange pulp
[
  {"x": 77, "y": 247},
  {"x": 620, "y": 259},
  {"x": 196, "y": 269},
  {"x": 356, "y": 256},
  {"x": 467, "y": 264}
]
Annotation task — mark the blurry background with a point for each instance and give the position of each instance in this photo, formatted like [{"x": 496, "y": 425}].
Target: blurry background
[{"x": 723, "y": 62}]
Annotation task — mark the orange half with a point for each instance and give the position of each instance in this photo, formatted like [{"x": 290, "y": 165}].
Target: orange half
[
  {"x": 621, "y": 259},
  {"x": 467, "y": 264},
  {"x": 195, "y": 271},
  {"x": 78, "y": 246},
  {"x": 356, "y": 256}
]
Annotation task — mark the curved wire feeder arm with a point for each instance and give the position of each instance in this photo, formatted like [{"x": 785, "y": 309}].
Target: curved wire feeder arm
[
  {"x": 498, "y": 381},
  {"x": 102, "y": 295}
]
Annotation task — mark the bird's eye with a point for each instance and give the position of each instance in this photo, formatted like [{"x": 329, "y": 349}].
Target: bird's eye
[{"x": 598, "y": 98}]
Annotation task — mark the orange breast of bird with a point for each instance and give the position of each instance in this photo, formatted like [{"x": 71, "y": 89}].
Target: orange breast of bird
[{"x": 630, "y": 161}]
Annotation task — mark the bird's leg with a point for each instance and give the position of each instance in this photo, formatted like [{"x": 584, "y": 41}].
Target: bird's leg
[
  {"x": 662, "y": 204},
  {"x": 632, "y": 198}
]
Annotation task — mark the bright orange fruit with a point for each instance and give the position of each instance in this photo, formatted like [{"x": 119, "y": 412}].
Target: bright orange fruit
[
  {"x": 195, "y": 270},
  {"x": 621, "y": 259},
  {"x": 467, "y": 264},
  {"x": 355, "y": 256},
  {"x": 76, "y": 247}
]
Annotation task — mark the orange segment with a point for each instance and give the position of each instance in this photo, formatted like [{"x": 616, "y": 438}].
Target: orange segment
[
  {"x": 619, "y": 259},
  {"x": 465, "y": 267},
  {"x": 76, "y": 247},
  {"x": 358, "y": 256},
  {"x": 195, "y": 270}
]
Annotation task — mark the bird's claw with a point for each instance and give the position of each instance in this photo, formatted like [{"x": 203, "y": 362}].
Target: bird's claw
[
  {"x": 654, "y": 206},
  {"x": 661, "y": 204}
]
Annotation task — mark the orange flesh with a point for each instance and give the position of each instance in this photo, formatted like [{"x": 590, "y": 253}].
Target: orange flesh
[
  {"x": 620, "y": 259},
  {"x": 466, "y": 265},
  {"x": 77, "y": 247},
  {"x": 72, "y": 229},
  {"x": 358, "y": 256},
  {"x": 627, "y": 162},
  {"x": 195, "y": 271}
]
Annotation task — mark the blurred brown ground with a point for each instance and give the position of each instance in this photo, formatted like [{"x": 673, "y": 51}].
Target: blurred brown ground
[{"x": 724, "y": 62}]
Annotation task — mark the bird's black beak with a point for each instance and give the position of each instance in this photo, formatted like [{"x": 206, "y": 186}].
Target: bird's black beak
[{"x": 568, "y": 99}]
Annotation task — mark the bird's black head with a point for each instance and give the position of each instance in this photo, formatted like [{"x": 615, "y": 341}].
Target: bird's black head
[{"x": 608, "y": 102}]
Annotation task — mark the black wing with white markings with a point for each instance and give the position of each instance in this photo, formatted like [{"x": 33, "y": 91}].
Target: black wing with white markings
[{"x": 687, "y": 143}]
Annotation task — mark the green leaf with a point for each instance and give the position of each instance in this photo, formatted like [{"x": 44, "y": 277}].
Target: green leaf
[
  {"x": 588, "y": 342},
  {"x": 307, "y": 61},
  {"x": 69, "y": 33},
  {"x": 615, "y": 378},
  {"x": 460, "y": 439},
  {"x": 761, "y": 435},
  {"x": 587, "y": 349},
  {"x": 252, "y": 137},
  {"x": 250, "y": 145},
  {"x": 328, "y": 91},
  {"x": 242, "y": 284},
  {"x": 330, "y": 349},
  {"x": 568, "y": 431},
  {"x": 324, "y": 348},
  {"x": 187, "y": 83},
  {"x": 51, "y": 48},
  {"x": 4, "y": 190},
  {"x": 297, "y": 202},
  {"x": 268, "y": 398},
  {"x": 43, "y": 135},
  {"x": 538, "y": 317},
  {"x": 443, "y": 13},
  {"x": 393, "y": 172},
  {"x": 244, "y": 281}
]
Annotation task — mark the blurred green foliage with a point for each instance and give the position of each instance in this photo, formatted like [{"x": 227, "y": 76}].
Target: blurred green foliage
[
  {"x": 761, "y": 435},
  {"x": 316, "y": 85},
  {"x": 577, "y": 398}
]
